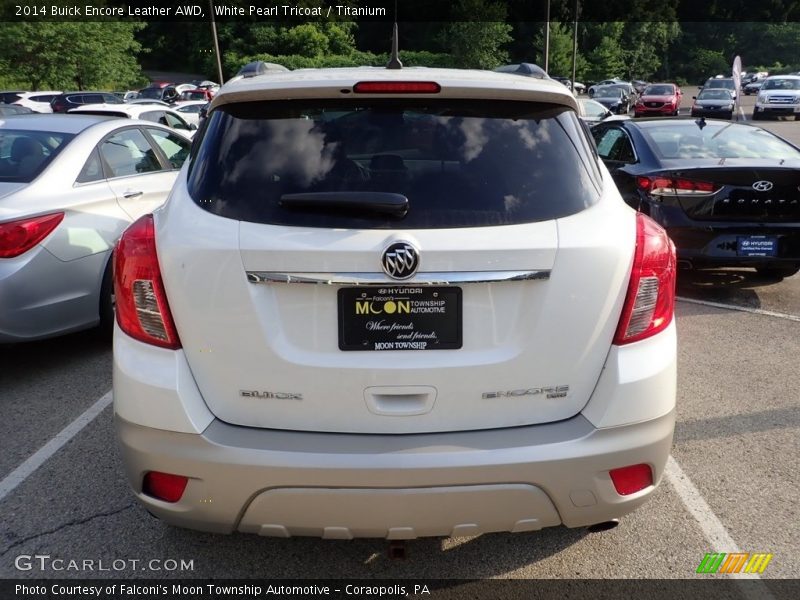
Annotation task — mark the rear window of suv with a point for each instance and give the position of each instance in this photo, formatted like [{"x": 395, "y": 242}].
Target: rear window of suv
[{"x": 459, "y": 163}]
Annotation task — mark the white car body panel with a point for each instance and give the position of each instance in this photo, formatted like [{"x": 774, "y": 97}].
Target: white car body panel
[{"x": 243, "y": 336}]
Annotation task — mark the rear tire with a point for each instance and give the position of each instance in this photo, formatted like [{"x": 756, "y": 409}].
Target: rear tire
[
  {"x": 757, "y": 116},
  {"x": 777, "y": 272}
]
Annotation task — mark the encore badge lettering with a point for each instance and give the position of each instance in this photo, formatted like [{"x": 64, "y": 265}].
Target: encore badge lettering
[{"x": 400, "y": 318}]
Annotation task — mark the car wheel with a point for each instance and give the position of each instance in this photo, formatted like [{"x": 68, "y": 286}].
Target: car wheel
[
  {"x": 675, "y": 114},
  {"x": 756, "y": 116},
  {"x": 107, "y": 315},
  {"x": 777, "y": 272}
]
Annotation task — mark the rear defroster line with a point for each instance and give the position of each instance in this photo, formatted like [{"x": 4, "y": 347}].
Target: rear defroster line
[{"x": 756, "y": 311}]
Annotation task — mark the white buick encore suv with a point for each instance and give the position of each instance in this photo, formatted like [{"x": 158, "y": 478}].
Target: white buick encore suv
[{"x": 394, "y": 303}]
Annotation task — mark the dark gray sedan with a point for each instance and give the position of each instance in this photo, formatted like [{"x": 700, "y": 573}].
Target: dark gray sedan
[{"x": 717, "y": 103}]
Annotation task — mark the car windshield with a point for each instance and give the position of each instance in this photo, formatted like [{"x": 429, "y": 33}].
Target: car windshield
[
  {"x": 715, "y": 95},
  {"x": 458, "y": 163},
  {"x": 721, "y": 83},
  {"x": 781, "y": 84},
  {"x": 608, "y": 93},
  {"x": 25, "y": 154},
  {"x": 717, "y": 140},
  {"x": 659, "y": 90}
]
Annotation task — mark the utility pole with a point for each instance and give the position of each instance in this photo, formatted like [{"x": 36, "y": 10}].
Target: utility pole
[
  {"x": 216, "y": 43},
  {"x": 547, "y": 40},
  {"x": 574, "y": 46}
]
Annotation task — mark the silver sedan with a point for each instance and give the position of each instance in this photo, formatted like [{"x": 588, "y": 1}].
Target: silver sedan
[{"x": 69, "y": 186}]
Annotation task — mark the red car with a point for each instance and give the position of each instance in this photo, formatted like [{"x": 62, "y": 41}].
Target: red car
[{"x": 658, "y": 99}]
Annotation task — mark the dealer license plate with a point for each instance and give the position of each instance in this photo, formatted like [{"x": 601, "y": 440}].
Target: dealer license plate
[
  {"x": 400, "y": 318},
  {"x": 756, "y": 245}
]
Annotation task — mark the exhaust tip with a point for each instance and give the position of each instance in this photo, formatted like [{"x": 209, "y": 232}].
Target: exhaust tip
[{"x": 604, "y": 526}]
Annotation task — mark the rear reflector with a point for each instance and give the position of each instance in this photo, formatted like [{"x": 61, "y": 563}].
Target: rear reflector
[
  {"x": 397, "y": 87},
  {"x": 142, "y": 309},
  {"x": 17, "y": 237},
  {"x": 629, "y": 480},
  {"x": 675, "y": 186},
  {"x": 650, "y": 300},
  {"x": 164, "y": 486}
]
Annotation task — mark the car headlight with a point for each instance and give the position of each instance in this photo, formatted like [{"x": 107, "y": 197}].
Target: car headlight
[
  {"x": 762, "y": 98},
  {"x": 797, "y": 99}
]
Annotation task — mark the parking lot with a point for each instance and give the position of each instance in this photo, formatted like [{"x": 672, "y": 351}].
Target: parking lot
[{"x": 732, "y": 484}]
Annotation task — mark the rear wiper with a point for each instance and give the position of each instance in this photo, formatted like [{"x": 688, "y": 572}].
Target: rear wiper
[{"x": 377, "y": 202}]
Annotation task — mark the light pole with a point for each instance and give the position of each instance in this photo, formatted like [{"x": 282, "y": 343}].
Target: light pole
[
  {"x": 216, "y": 42},
  {"x": 574, "y": 46},
  {"x": 547, "y": 40}
]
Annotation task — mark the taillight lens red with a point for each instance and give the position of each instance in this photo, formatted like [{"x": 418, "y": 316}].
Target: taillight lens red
[
  {"x": 17, "y": 237},
  {"x": 675, "y": 185},
  {"x": 164, "y": 486},
  {"x": 629, "y": 480},
  {"x": 397, "y": 87},
  {"x": 650, "y": 301},
  {"x": 142, "y": 308}
]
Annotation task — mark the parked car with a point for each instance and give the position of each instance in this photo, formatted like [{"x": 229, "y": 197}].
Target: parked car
[
  {"x": 8, "y": 97},
  {"x": 146, "y": 112},
  {"x": 37, "y": 101},
  {"x": 725, "y": 83},
  {"x": 612, "y": 81},
  {"x": 780, "y": 95},
  {"x": 592, "y": 111},
  {"x": 577, "y": 87},
  {"x": 69, "y": 100},
  {"x": 753, "y": 87},
  {"x": 659, "y": 99},
  {"x": 726, "y": 193},
  {"x": 613, "y": 98},
  {"x": 197, "y": 94},
  {"x": 525, "y": 69},
  {"x": 716, "y": 103},
  {"x": 13, "y": 109},
  {"x": 164, "y": 92},
  {"x": 639, "y": 85},
  {"x": 335, "y": 359},
  {"x": 70, "y": 185},
  {"x": 190, "y": 110}
]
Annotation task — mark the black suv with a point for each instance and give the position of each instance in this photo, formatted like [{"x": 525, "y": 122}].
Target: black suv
[{"x": 63, "y": 102}]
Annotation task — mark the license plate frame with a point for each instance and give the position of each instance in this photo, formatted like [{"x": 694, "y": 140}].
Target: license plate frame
[
  {"x": 756, "y": 245},
  {"x": 381, "y": 318}
]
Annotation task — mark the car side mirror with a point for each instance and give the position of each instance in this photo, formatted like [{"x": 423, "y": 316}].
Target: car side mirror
[
  {"x": 192, "y": 127},
  {"x": 694, "y": 97}
]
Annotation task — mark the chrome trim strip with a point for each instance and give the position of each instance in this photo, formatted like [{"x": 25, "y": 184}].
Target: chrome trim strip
[{"x": 457, "y": 277}]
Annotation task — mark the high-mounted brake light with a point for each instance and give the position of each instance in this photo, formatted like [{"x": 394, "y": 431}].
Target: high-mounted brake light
[
  {"x": 397, "y": 87},
  {"x": 142, "y": 309},
  {"x": 674, "y": 185},
  {"x": 650, "y": 301},
  {"x": 17, "y": 237}
]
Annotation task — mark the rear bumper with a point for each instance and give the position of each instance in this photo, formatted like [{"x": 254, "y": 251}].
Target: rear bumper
[
  {"x": 396, "y": 486},
  {"x": 715, "y": 243},
  {"x": 282, "y": 483},
  {"x": 42, "y": 296}
]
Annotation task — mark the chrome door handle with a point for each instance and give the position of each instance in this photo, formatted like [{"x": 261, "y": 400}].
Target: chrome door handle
[{"x": 131, "y": 194}]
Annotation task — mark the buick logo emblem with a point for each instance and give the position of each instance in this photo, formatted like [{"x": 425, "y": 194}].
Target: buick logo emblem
[
  {"x": 762, "y": 186},
  {"x": 400, "y": 260}
]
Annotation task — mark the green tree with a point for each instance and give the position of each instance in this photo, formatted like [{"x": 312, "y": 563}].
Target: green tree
[
  {"x": 477, "y": 44},
  {"x": 560, "y": 56},
  {"x": 605, "y": 54},
  {"x": 644, "y": 44},
  {"x": 65, "y": 55}
]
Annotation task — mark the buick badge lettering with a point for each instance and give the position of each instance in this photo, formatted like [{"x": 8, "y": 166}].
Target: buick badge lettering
[
  {"x": 762, "y": 186},
  {"x": 400, "y": 260}
]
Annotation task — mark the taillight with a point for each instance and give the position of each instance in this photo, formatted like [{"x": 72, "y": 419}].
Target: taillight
[
  {"x": 677, "y": 186},
  {"x": 164, "y": 486},
  {"x": 629, "y": 480},
  {"x": 650, "y": 301},
  {"x": 142, "y": 309},
  {"x": 17, "y": 237},
  {"x": 397, "y": 87}
]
